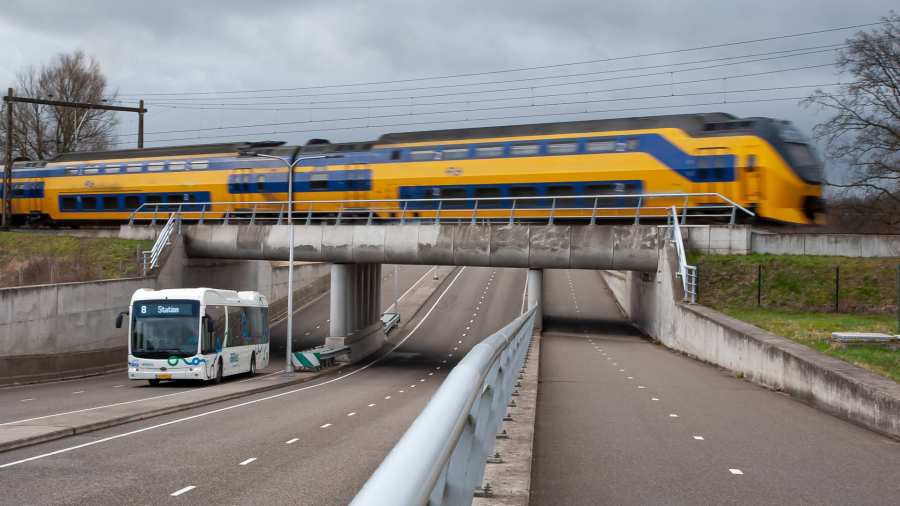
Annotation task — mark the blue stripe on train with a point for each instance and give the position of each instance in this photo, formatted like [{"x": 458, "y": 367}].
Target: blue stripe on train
[
  {"x": 618, "y": 189},
  {"x": 320, "y": 181},
  {"x": 127, "y": 202},
  {"x": 30, "y": 190}
]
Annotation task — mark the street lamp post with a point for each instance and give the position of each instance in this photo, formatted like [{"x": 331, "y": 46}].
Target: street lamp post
[{"x": 290, "y": 219}]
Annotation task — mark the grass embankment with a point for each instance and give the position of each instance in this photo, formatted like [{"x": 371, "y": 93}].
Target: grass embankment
[
  {"x": 32, "y": 258},
  {"x": 798, "y": 300}
]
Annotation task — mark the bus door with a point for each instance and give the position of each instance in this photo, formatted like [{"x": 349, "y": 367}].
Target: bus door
[{"x": 237, "y": 354}]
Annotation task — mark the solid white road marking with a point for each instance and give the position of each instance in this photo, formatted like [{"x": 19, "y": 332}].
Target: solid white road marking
[
  {"x": 352, "y": 413},
  {"x": 233, "y": 406},
  {"x": 735, "y": 471},
  {"x": 292, "y": 441},
  {"x": 698, "y": 438},
  {"x": 182, "y": 491},
  {"x": 244, "y": 463},
  {"x": 325, "y": 426}
]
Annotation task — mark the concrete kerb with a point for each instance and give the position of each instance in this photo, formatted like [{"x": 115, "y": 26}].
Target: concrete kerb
[
  {"x": 19, "y": 435},
  {"x": 510, "y": 480}
]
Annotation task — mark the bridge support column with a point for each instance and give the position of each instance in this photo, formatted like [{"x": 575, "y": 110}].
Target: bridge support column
[
  {"x": 535, "y": 287},
  {"x": 356, "y": 308}
]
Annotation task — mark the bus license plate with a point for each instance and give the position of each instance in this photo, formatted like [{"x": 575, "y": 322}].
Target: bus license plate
[{"x": 164, "y": 376}]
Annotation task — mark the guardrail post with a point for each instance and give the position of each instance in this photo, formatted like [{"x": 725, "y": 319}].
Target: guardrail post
[
  {"x": 637, "y": 211},
  {"x": 684, "y": 211},
  {"x": 403, "y": 213},
  {"x": 253, "y": 215},
  {"x": 594, "y": 212},
  {"x": 202, "y": 213},
  {"x": 153, "y": 219},
  {"x": 733, "y": 215},
  {"x": 308, "y": 214},
  {"x": 512, "y": 212},
  {"x": 474, "y": 211},
  {"x": 552, "y": 210},
  {"x": 437, "y": 215}
]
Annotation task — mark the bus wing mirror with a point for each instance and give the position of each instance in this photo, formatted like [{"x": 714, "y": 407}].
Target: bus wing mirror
[{"x": 119, "y": 319}]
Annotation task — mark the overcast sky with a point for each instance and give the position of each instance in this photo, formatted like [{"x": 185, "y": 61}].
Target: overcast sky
[{"x": 148, "y": 48}]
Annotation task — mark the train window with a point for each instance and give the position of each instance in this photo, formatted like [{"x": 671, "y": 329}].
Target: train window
[
  {"x": 454, "y": 153},
  {"x": 153, "y": 199},
  {"x": 67, "y": 203},
  {"x": 524, "y": 149},
  {"x": 422, "y": 155},
  {"x": 112, "y": 169},
  {"x": 600, "y": 189},
  {"x": 488, "y": 193},
  {"x": 454, "y": 193},
  {"x": 562, "y": 148},
  {"x": 91, "y": 170},
  {"x": 601, "y": 146},
  {"x": 395, "y": 154},
  {"x": 633, "y": 144},
  {"x": 134, "y": 167},
  {"x": 110, "y": 203},
  {"x": 260, "y": 183},
  {"x": 318, "y": 182},
  {"x": 199, "y": 164},
  {"x": 488, "y": 151},
  {"x": 18, "y": 190},
  {"x": 562, "y": 191},
  {"x": 132, "y": 202},
  {"x": 176, "y": 165},
  {"x": 89, "y": 202},
  {"x": 72, "y": 172},
  {"x": 156, "y": 166}
]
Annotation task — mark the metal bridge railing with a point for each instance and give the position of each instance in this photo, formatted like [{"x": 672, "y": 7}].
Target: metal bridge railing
[
  {"x": 151, "y": 258},
  {"x": 590, "y": 208},
  {"x": 440, "y": 460},
  {"x": 687, "y": 273}
]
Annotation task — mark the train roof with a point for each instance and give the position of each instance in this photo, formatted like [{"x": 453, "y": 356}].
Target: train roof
[
  {"x": 691, "y": 123},
  {"x": 197, "y": 149}
]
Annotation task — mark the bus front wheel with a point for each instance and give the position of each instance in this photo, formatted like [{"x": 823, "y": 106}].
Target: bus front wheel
[
  {"x": 252, "y": 365},
  {"x": 218, "y": 378}
]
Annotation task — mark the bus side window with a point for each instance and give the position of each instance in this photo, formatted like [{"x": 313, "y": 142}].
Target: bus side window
[
  {"x": 235, "y": 336},
  {"x": 217, "y": 315}
]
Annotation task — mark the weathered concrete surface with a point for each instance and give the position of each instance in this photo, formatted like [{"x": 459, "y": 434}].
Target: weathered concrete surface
[
  {"x": 511, "y": 480},
  {"x": 535, "y": 246},
  {"x": 652, "y": 301},
  {"x": 848, "y": 245}
]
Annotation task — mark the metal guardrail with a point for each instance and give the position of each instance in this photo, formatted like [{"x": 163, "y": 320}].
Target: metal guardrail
[
  {"x": 687, "y": 273},
  {"x": 151, "y": 258},
  {"x": 457, "y": 210},
  {"x": 440, "y": 460}
]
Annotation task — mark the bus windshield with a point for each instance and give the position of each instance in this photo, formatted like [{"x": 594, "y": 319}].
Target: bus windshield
[{"x": 165, "y": 328}]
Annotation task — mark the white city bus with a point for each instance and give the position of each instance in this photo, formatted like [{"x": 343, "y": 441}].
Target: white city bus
[{"x": 196, "y": 333}]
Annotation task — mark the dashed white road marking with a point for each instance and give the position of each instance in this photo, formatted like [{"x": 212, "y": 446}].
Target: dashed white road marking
[
  {"x": 292, "y": 441},
  {"x": 673, "y": 415},
  {"x": 459, "y": 342},
  {"x": 118, "y": 386},
  {"x": 27, "y": 400},
  {"x": 352, "y": 413},
  {"x": 654, "y": 399},
  {"x": 735, "y": 471},
  {"x": 372, "y": 405},
  {"x": 630, "y": 377},
  {"x": 412, "y": 386},
  {"x": 182, "y": 491},
  {"x": 698, "y": 438},
  {"x": 78, "y": 392},
  {"x": 402, "y": 391},
  {"x": 244, "y": 463},
  {"x": 431, "y": 374},
  {"x": 421, "y": 380},
  {"x": 325, "y": 426},
  {"x": 641, "y": 386}
]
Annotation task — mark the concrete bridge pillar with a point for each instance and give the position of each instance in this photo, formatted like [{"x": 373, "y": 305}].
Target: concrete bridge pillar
[
  {"x": 356, "y": 308},
  {"x": 535, "y": 287}
]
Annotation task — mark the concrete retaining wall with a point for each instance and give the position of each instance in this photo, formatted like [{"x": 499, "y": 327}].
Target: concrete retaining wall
[
  {"x": 848, "y": 245},
  {"x": 652, "y": 301},
  {"x": 67, "y": 330}
]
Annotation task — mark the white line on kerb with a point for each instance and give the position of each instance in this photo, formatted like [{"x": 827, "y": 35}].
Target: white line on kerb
[
  {"x": 244, "y": 463},
  {"x": 292, "y": 441},
  {"x": 242, "y": 404},
  {"x": 182, "y": 491}
]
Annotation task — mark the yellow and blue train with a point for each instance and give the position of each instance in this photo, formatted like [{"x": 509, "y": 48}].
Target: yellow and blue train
[{"x": 761, "y": 163}]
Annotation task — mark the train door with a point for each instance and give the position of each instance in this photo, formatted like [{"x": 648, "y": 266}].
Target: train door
[{"x": 752, "y": 180}]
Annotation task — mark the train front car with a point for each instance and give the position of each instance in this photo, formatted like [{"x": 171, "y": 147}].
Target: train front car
[{"x": 796, "y": 184}]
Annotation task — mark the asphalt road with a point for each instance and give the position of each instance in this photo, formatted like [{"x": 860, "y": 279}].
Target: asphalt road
[
  {"x": 314, "y": 443},
  {"x": 43, "y": 399},
  {"x": 623, "y": 421}
]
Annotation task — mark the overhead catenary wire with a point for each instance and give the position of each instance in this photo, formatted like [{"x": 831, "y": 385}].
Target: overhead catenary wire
[{"x": 518, "y": 69}]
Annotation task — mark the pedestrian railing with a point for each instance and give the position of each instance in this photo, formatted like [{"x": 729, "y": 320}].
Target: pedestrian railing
[
  {"x": 151, "y": 258},
  {"x": 584, "y": 208},
  {"x": 440, "y": 460},
  {"x": 687, "y": 273}
]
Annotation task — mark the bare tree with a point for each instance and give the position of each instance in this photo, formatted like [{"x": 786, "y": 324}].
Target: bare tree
[
  {"x": 864, "y": 131},
  {"x": 40, "y": 132}
]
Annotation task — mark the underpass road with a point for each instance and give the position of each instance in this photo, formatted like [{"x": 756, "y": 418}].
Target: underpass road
[
  {"x": 624, "y": 421},
  {"x": 314, "y": 443},
  {"x": 43, "y": 399}
]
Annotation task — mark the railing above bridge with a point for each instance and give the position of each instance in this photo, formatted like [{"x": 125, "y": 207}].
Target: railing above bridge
[{"x": 590, "y": 209}]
